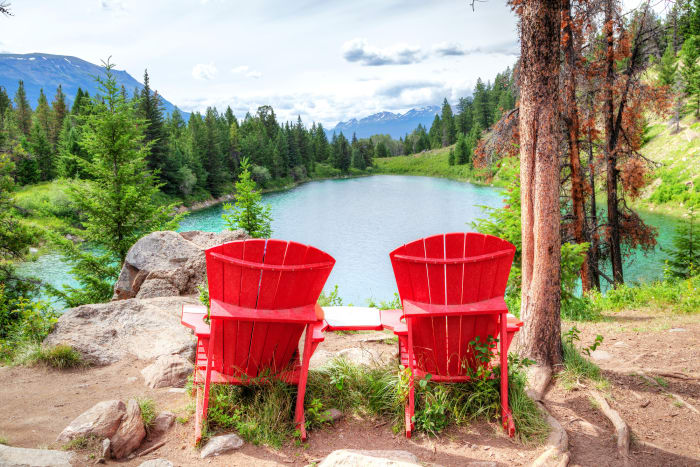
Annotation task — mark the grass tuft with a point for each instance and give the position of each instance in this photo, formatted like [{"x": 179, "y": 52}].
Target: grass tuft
[
  {"x": 4, "y": 440},
  {"x": 148, "y": 412},
  {"x": 60, "y": 357},
  {"x": 578, "y": 368}
]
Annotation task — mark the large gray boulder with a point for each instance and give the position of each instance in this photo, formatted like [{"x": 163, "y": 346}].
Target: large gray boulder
[
  {"x": 101, "y": 421},
  {"x": 105, "y": 333},
  {"x": 168, "y": 263},
  {"x": 23, "y": 457}
]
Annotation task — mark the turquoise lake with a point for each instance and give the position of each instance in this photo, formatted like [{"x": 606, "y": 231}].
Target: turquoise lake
[{"x": 360, "y": 220}]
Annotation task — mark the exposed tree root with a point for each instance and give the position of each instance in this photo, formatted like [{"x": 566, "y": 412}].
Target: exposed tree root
[
  {"x": 622, "y": 431},
  {"x": 557, "y": 452}
]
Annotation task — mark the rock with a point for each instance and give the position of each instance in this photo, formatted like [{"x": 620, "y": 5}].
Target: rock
[
  {"x": 676, "y": 330},
  {"x": 33, "y": 250},
  {"x": 105, "y": 452},
  {"x": 167, "y": 263},
  {"x": 105, "y": 333},
  {"x": 221, "y": 444},
  {"x": 101, "y": 421},
  {"x": 333, "y": 415},
  {"x": 130, "y": 433},
  {"x": 162, "y": 423},
  {"x": 177, "y": 390},
  {"x": 353, "y": 457},
  {"x": 16, "y": 457},
  {"x": 167, "y": 371},
  {"x": 156, "y": 463},
  {"x": 620, "y": 344},
  {"x": 601, "y": 356}
]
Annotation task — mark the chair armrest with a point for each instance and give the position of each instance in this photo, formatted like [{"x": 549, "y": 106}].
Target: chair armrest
[
  {"x": 514, "y": 324},
  {"x": 193, "y": 317},
  {"x": 391, "y": 319},
  {"x": 301, "y": 315},
  {"x": 492, "y": 306},
  {"x": 318, "y": 329}
]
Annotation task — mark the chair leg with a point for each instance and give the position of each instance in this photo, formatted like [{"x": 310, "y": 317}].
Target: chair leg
[
  {"x": 301, "y": 390},
  {"x": 410, "y": 407},
  {"x": 207, "y": 387},
  {"x": 506, "y": 416},
  {"x": 198, "y": 415}
]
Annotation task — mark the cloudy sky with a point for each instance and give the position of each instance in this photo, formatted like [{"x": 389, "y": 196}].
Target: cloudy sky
[{"x": 325, "y": 60}]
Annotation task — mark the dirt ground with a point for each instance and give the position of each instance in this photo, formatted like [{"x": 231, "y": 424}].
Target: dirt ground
[{"x": 38, "y": 403}]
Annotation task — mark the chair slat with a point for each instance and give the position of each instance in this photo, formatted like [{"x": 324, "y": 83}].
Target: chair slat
[
  {"x": 260, "y": 348},
  {"x": 435, "y": 248},
  {"x": 454, "y": 248}
]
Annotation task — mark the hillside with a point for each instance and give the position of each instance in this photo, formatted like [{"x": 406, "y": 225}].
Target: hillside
[
  {"x": 676, "y": 182},
  {"x": 387, "y": 123},
  {"x": 46, "y": 71}
]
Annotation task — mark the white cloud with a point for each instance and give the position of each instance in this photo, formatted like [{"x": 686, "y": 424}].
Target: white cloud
[
  {"x": 116, "y": 6},
  {"x": 204, "y": 71},
  {"x": 359, "y": 50},
  {"x": 246, "y": 71}
]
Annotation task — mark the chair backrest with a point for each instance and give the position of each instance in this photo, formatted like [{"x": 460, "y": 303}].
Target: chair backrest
[
  {"x": 262, "y": 274},
  {"x": 452, "y": 269}
]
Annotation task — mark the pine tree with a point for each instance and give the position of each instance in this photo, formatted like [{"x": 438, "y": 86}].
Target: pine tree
[
  {"x": 23, "y": 111},
  {"x": 435, "y": 133},
  {"x": 451, "y": 157},
  {"x": 41, "y": 149},
  {"x": 42, "y": 114},
  {"x": 80, "y": 102},
  {"x": 685, "y": 255},
  {"x": 480, "y": 105},
  {"x": 463, "y": 150},
  {"x": 248, "y": 212},
  {"x": 59, "y": 110},
  {"x": 69, "y": 152},
  {"x": 448, "y": 124},
  {"x": 668, "y": 67},
  {"x": 216, "y": 177},
  {"x": 358, "y": 159},
  {"x": 118, "y": 201},
  {"x": 380, "y": 150},
  {"x": 691, "y": 71},
  {"x": 150, "y": 108}
]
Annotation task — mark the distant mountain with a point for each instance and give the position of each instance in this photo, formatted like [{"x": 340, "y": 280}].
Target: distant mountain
[
  {"x": 47, "y": 71},
  {"x": 396, "y": 125}
]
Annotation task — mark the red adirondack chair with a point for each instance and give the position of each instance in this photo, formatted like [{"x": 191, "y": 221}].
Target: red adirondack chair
[
  {"x": 451, "y": 288},
  {"x": 263, "y": 296}
]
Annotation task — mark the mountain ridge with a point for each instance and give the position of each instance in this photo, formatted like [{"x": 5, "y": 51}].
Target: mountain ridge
[
  {"x": 394, "y": 124},
  {"x": 47, "y": 71}
]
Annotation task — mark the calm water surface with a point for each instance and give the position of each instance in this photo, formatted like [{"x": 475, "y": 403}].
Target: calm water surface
[{"x": 359, "y": 221}]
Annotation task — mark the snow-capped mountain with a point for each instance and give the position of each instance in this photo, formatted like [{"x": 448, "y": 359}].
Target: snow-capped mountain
[
  {"x": 46, "y": 71},
  {"x": 394, "y": 124}
]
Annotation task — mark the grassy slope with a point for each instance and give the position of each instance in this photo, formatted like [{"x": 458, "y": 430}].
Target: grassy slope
[
  {"x": 676, "y": 183},
  {"x": 434, "y": 163}
]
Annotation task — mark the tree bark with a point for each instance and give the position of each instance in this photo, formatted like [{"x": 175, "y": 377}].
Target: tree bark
[
  {"x": 614, "y": 239},
  {"x": 539, "y": 180},
  {"x": 569, "y": 112},
  {"x": 593, "y": 251}
]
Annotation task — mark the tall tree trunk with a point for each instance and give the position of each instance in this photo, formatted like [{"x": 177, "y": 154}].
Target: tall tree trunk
[
  {"x": 569, "y": 112},
  {"x": 610, "y": 150},
  {"x": 593, "y": 252},
  {"x": 539, "y": 180}
]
